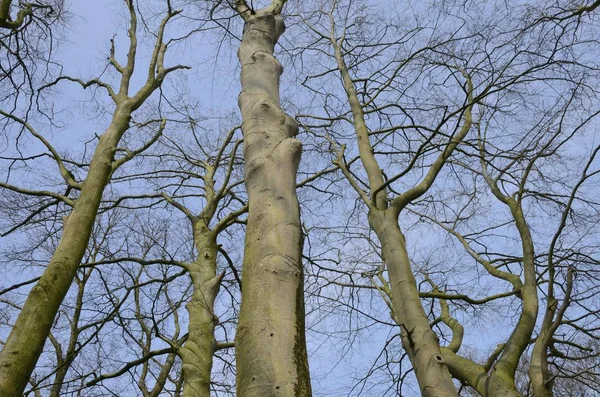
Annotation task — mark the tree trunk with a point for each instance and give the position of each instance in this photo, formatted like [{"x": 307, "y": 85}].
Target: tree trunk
[
  {"x": 27, "y": 337},
  {"x": 418, "y": 339},
  {"x": 197, "y": 353},
  {"x": 270, "y": 342},
  {"x": 539, "y": 373},
  {"x": 502, "y": 377}
]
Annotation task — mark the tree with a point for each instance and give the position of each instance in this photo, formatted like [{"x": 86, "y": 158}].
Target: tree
[
  {"x": 380, "y": 121},
  {"x": 272, "y": 311},
  {"x": 418, "y": 339},
  {"x": 26, "y": 340},
  {"x": 7, "y": 21},
  {"x": 448, "y": 239},
  {"x": 27, "y": 45},
  {"x": 197, "y": 352}
]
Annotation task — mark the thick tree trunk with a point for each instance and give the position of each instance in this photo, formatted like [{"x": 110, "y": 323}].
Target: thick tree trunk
[
  {"x": 197, "y": 353},
  {"x": 270, "y": 341},
  {"x": 27, "y": 337},
  {"x": 418, "y": 339}
]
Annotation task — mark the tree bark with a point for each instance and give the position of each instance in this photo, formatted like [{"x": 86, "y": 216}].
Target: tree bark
[
  {"x": 197, "y": 353},
  {"x": 5, "y": 19},
  {"x": 418, "y": 339},
  {"x": 27, "y": 337},
  {"x": 270, "y": 342}
]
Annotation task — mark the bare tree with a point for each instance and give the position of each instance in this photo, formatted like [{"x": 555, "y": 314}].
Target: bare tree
[
  {"x": 400, "y": 133},
  {"x": 213, "y": 219},
  {"x": 272, "y": 311},
  {"x": 28, "y": 40},
  {"x": 26, "y": 10},
  {"x": 28, "y": 335},
  {"x": 448, "y": 241}
]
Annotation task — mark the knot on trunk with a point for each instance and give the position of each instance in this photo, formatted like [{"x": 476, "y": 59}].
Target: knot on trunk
[{"x": 268, "y": 23}]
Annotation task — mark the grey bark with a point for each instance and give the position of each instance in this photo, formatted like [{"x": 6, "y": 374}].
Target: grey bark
[
  {"x": 418, "y": 339},
  {"x": 270, "y": 342},
  {"x": 26, "y": 340},
  {"x": 197, "y": 353},
  {"x": 28, "y": 336}
]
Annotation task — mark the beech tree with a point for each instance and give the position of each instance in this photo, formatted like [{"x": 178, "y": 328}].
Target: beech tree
[
  {"x": 272, "y": 311},
  {"x": 443, "y": 156},
  {"x": 28, "y": 335},
  {"x": 380, "y": 107}
]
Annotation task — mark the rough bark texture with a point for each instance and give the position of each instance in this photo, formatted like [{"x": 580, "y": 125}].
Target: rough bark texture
[
  {"x": 28, "y": 336},
  {"x": 197, "y": 353},
  {"x": 270, "y": 342},
  {"x": 418, "y": 339}
]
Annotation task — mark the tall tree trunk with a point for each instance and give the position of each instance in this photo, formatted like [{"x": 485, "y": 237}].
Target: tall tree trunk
[
  {"x": 197, "y": 353},
  {"x": 418, "y": 339},
  {"x": 270, "y": 341},
  {"x": 27, "y": 337}
]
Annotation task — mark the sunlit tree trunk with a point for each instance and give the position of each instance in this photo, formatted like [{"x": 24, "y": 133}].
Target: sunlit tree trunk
[
  {"x": 418, "y": 339},
  {"x": 28, "y": 336},
  {"x": 197, "y": 353},
  {"x": 200, "y": 345},
  {"x": 270, "y": 341}
]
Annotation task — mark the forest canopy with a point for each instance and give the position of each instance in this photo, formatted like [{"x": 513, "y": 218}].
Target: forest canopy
[{"x": 297, "y": 198}]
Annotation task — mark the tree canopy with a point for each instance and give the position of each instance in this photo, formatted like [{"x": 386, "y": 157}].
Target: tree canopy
[{"x": 297, "y": 198}]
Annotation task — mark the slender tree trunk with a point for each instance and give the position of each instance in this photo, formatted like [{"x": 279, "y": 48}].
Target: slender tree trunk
[
  {"x": 270, "y": 341},
  {"x": 539, "y": 373},
  {"x": 27, "y": 337},
  {"x": 418, "y": 339},
  {"x": 502, "y": 376},
  {"x": 197, "y": 353},
  {"x": 162, "y": 378},
  {"x": 59, "y": 379}
]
